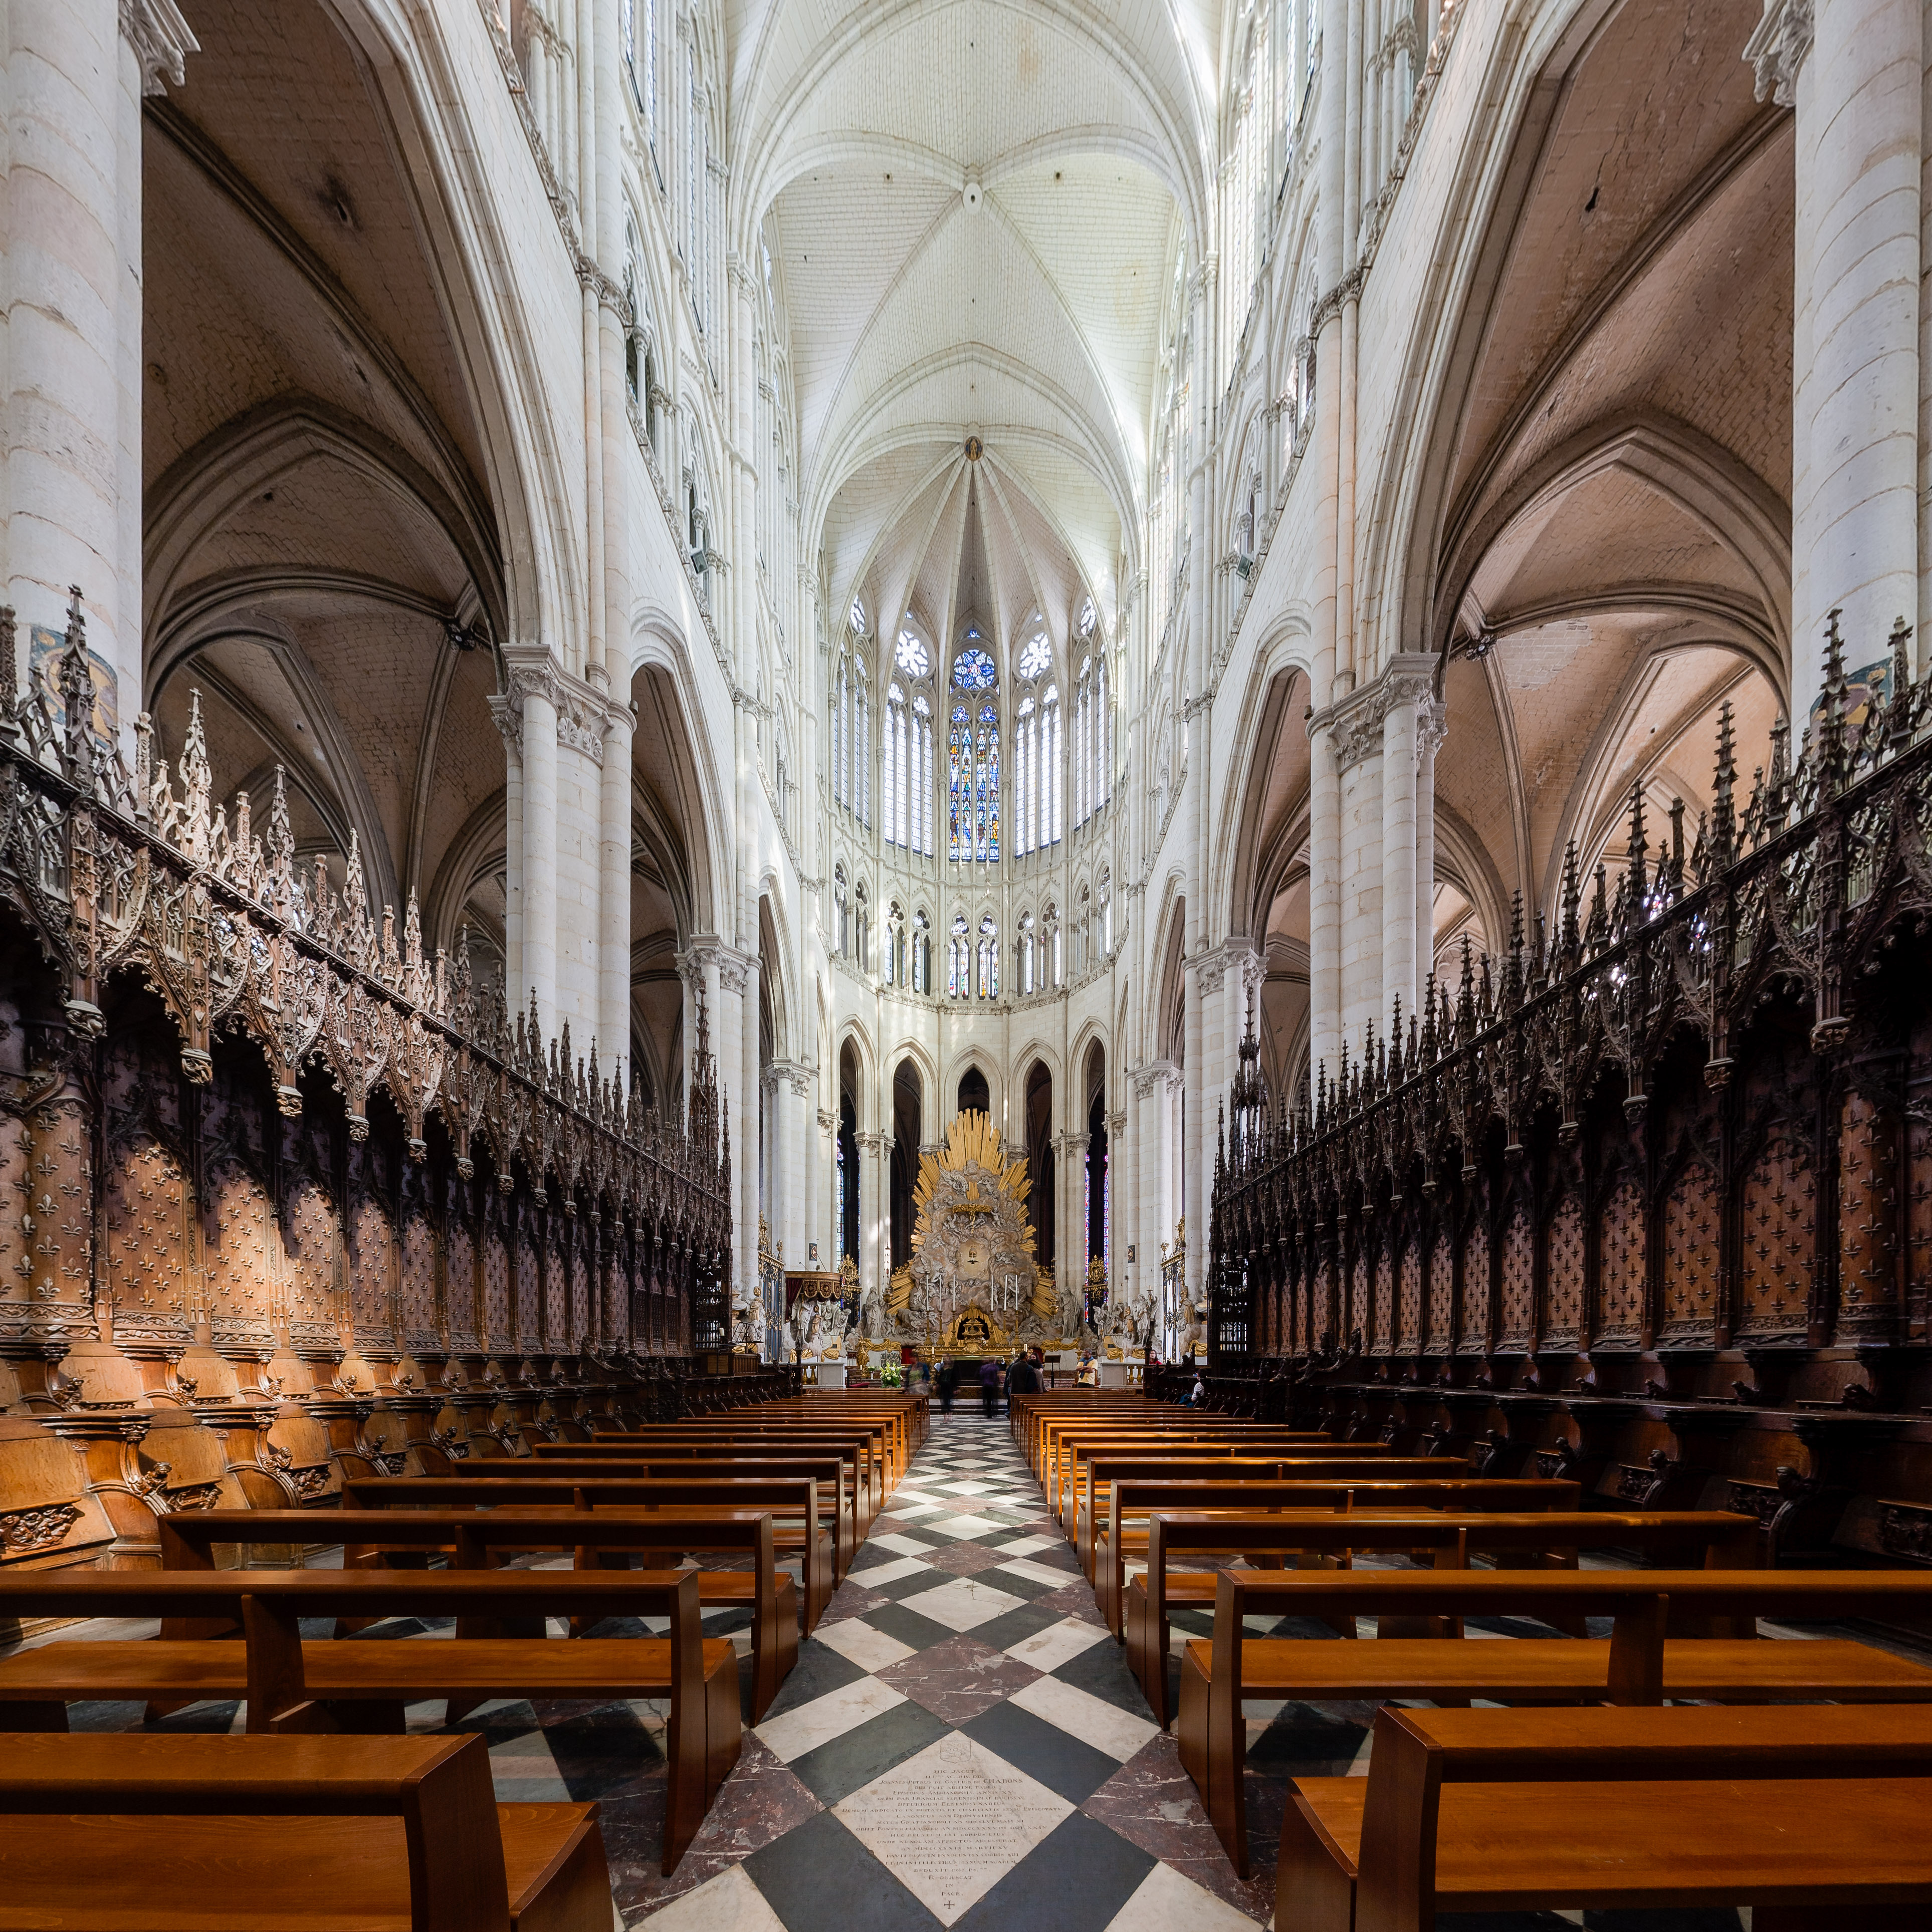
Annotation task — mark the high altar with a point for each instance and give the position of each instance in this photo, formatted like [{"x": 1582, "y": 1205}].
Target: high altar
[{"x": 972, "y": 1286}]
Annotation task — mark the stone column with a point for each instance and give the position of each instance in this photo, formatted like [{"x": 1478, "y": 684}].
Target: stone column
[
  {"x": 1856, "y": 405},
  {"x": 825, "y": 1195},
  {"x": 1324, "y": 897},
  {"x": 875, "y": 1258},
  {"x": 1069, "y": 1162},
  {"x": 1398, "y": 854},
  {"x": 510, "y": 722},
  {"x": 792, "y": 1161},
  {"x": 1430, "y": 728},
  {"x": 1195, "y": 1158},
  {"x": 71, "y": 348},
  {"x": 1361, "y": 879},
  {"x": 538, "y": 966},
  {"x": 613, "y": 890},
  {"x": 740, "y": 983},
  {"x": 1117, "y": 1176}
]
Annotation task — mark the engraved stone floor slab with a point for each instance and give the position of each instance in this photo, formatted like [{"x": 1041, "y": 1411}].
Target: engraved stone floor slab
[{"x": 993, "y": 1815}]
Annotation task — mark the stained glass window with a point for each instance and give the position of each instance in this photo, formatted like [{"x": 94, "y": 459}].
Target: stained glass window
[
  {"x": 973, "y": 670},
  {"x": 1036, "y": 655},
  {"x": 959, "y": 783},
  {"x": 913, "y": 658},
  {"x": 986, "y": 842},
  {"x": 973, "y": 783},
  {"x": 989, "y": 959},
  {"x": 858, "y": 617}
]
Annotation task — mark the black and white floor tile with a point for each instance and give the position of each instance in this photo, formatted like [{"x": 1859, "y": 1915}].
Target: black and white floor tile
[{"x": 961, "y": 1743}]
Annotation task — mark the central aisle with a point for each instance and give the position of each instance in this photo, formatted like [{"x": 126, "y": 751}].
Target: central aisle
[{"x": 960, "y": 1744}]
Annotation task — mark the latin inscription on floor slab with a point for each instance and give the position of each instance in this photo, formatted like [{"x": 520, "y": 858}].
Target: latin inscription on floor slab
[{"x": 950, "y": 1823}]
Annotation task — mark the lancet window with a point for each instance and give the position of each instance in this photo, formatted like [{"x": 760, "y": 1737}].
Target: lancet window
[
  {"x": 1092, "y": 732},
  {"x": 851, "y": 737},
  {"x": 959, "y": 961},
  {"x": 973, "y": 759},
  {"x": 989, "y": 960}
]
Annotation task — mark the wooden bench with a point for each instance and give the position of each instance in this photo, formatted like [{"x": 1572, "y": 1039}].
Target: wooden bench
[
  {"x": 855, "y": 1482},
  {"x": 1052, "y": 1432},
  {"x": 801, "y": 1521},
  {"x": 872, "y": 1446},
  {"x": 904, "y": 1417},
  {"x": 342, "y": 1684},
  {"x": 1129, "y": 1503},
  {"x": 1099, "y": 1524},
  {"x": 873, "y": 1443},
  {"x": 1031, "y": 1418},
  {"x": 828, "y": 1471},
  {"x": 102, "y": 1833},
  {"x": 1639, "y": 1663},
  {"x": 1816, "y": 1820},
  {"x": 1068, "y": 1449},
  {"x": 479, "y": 1539},
  {"x": 1447, "y": 1540}
]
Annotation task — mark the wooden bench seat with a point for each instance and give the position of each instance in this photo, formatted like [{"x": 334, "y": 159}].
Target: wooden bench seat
[
  {"x": 1815, "y": 1821},
  {"x": 345, "y": 1683},
  {"x": 1185, "y": 1483},
  {"x": 1311, "y": 1461},
  {"x": 604, "y": 1457},
  {"x": 1640, "y": 1663},
  {"x": 1718, "y": 1539},
  {"x": 831, "y": 1503},
  {"x": 1070, "y": 1451},
  {"x": 1129, "y": 1503},
  {"x": 105, "y": 1833},
  {"x": 476, "y": 1540},
  {"x": 866, "y": 1450}
]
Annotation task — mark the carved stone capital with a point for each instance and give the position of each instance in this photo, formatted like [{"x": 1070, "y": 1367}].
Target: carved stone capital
[
  {"x": 1358, "y": 721},
  {"x": 581, "y": 710},
  {"x": 1157, "y": 1076},
  {"x": 735, "y": 970},
  {"x": 1777, "y": 48},
  {"x": 162, "y": 41}
]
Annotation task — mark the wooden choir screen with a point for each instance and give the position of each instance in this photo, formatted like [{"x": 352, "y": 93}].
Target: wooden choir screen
[
  {"x": 1655, "y": 1185},
  {"x": 296, "y": 1197}
]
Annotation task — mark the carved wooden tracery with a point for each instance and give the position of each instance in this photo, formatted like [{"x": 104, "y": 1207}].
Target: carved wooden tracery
[
  {"x": 1677, "y": 1154},
  {"x": 257, "y": 1143}
]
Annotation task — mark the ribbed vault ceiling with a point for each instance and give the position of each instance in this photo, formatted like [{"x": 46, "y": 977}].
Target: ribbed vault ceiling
[{"x": 973, "y": 211}]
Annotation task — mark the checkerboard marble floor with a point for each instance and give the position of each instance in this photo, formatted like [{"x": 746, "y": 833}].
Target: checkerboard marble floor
[{"x": 959, "y": 1745}]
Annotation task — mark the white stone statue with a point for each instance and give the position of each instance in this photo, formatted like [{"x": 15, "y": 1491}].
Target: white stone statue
[
  {"x": 751, "y": 1324},
  {"x": 1194, "y": 1330}
]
